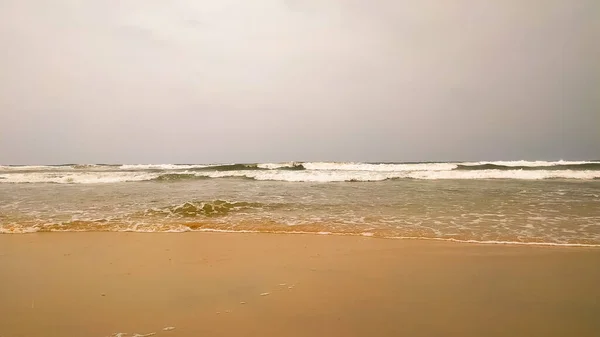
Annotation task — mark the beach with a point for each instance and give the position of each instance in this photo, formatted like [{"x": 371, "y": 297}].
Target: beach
[
  {"x": 242, "y": 284},
  {"x": 299, "y": 168}
]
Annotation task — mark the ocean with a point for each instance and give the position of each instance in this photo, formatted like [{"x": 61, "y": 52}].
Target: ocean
[{"x": 510, "y": 202}]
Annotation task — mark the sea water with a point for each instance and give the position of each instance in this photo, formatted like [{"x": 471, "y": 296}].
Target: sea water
[{"x": 519, "y": 202}]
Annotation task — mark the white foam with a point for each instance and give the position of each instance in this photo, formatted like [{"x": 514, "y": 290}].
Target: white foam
[
  {"x": 154, "y": 229},
  {"x": 34, "y": 168},
  {"x": 507, "y": 174},
  {"x": 17, "y": 230},
  {"x": 299, "y": 176},
  {"x": 77, "y": 177},
  {"x": 351, "y": 166},
  {"x": 340, "y": 176},
  {"x": 23, "y": 230},
  {"x": 539, "y": 163},
  {"x": 495, "y": 242},
  {"x": 273, "y": 166},
  {"x": 379, "y": 167},
  {"x": 427, "y": 238},
  {"x": 308, "y": 175}
]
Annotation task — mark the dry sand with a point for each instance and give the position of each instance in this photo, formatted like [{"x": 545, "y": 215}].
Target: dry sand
[{"x": 212, "y": 284}]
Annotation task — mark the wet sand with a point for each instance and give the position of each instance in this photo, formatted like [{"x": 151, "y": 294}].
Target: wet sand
[{"x": 222, "y": 284}]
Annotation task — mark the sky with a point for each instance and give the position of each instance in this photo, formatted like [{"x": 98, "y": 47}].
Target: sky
[{"x": 198, "y": 81}]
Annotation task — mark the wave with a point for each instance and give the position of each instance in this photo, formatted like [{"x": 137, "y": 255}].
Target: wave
[
  {"x": 537, "y": 163},
  {"x": 162, "y": 167},
  {"x": 294, "y": 176},
  {"x": 301, "y": 172},
  {"x": 230, "y": 167},
  {"x": 358, "y": 176},
  {"x": 295, "y": 167},
  {"x": 17, "y": 168},
  {"x": 203, "y": 208},
  {"x": 186, "y": 211},
  {"x": 327, "y": 166},
  {"x": 91, "y": 166},
  {"x": 322, "y": 176},
  {"x": 249, "y": 167},
  {"x": 282, "y": 166},
  {"x": 178, "y": 177},
  {"x": 490, "y": 166},
  {"x": 74, "y": 177},
  {"x": 379, "y": 167}
]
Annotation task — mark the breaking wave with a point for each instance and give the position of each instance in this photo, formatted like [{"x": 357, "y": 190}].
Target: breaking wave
[
  {"x": 230, "y": 167},
  {"x": 573, "y": 167},
  {"x": 248, "y": 167},
  {"x": 301, "y": 172},
  {"x": 160, "y": 167}
]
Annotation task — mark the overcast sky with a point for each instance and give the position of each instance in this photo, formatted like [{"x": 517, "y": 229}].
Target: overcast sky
[{"x": 197, "y": 81}]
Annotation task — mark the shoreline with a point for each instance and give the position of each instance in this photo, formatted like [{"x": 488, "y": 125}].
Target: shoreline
[
  {"x": 248, "y": 284},
  {"x": 358, "y": 235}
]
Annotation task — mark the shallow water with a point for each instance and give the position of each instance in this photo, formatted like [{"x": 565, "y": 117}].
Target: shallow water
[{"x": 550, "y": 211}]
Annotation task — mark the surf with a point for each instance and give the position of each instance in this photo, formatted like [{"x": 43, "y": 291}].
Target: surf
[{"x": 322, "y": 172}]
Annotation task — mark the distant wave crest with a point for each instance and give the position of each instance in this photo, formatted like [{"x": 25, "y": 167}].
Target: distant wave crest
[{"x": 557, "y": 167}]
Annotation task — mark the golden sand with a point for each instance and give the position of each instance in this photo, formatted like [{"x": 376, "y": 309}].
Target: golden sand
[{"x": 211, "y": 284}]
